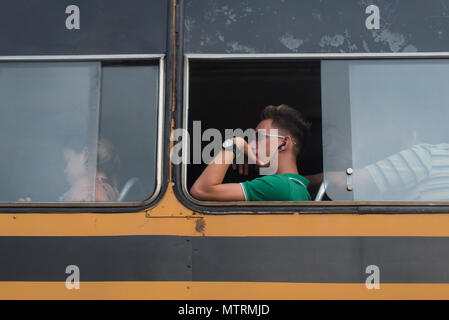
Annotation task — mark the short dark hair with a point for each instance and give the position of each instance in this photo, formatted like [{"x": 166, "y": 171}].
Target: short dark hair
[{"x": 291, "y": 120}]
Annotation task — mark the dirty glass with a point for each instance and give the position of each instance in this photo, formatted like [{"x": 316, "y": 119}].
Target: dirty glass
[
  {"x": 66, "y": 128},
  {"x": 129, "y": 113},
  {"x": 385, "y": 134}
]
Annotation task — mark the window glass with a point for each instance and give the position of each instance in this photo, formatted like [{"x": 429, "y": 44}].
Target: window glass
[
  {"x": 129, "y": 116},
  {"x": 386, "y": 121},
  {"x": 77, "y": 131}
]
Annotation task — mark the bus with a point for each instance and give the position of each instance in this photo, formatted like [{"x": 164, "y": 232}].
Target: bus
[{"x": 107, "y": 109}]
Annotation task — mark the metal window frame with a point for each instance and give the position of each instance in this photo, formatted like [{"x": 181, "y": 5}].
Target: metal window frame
[
  {"x": 76, "y": 206},
  {"x": 264, "y": 207}
]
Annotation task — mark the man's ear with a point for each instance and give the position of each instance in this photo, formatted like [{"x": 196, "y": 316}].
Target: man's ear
[
  {"x": 287, "y": 142},
  {"x": 282, "y": 146}
]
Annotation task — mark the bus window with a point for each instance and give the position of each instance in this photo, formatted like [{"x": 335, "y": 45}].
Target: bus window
[
  {"x": 385, "y": 134},
  {"x": 379, "y": 128},
  {"x": 76, "y": 132},
  {"x": 231, "y": 95}
]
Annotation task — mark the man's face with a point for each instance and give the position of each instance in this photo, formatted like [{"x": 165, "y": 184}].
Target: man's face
[{"x": 266, "y": 142}]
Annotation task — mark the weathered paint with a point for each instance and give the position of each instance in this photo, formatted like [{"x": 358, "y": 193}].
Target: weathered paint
[{"x": 310, "y": 26}]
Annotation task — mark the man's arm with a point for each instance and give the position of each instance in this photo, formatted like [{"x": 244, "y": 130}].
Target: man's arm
[{"x": 210, "y": 186}]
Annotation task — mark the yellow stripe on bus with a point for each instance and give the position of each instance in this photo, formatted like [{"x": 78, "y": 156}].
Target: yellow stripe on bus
[
  {"x": 169, "y": 217},
  {"x": 219, "y": 290}
]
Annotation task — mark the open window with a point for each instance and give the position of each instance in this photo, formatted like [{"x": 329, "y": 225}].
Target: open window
[
  {"x": 231, "y": 94},
  {"x": 80, "y": 132},
  {"x": 379, "y": 127}
]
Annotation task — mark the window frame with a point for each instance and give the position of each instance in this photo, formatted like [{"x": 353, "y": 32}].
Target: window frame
[
  {"x": 264, "y": 207},
  {"x": 159, "y": 61}
]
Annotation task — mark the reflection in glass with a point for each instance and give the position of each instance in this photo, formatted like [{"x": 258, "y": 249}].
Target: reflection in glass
[
  {"x": 78, "y": 131},
  {"x": 44, "y": 107},
  {"x": 129, "y": 113},
  {"x": 104, "y": 187},
  {"x": 395, "y": 121}
]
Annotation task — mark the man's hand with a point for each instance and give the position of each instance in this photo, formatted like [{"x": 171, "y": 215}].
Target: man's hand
[{"x": 249, "y": 157}]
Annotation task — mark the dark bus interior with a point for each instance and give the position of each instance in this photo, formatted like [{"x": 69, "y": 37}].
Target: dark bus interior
[{"x": 232, "y": 94}]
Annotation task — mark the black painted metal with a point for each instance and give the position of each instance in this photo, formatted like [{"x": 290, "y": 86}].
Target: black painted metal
[
  {"x": 106, "y": 27},
  {"x": 310, "y": 26},
  {"x": 261, "y": 259},
  {"x": 125, "y": 258},
  {"x": 321, "y": 259}
]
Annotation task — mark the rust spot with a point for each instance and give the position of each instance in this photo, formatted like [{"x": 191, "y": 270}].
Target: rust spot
[{"x": 200, "y": 225}]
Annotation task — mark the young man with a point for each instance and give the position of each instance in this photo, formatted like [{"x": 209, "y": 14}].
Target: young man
[{"x": 282, "y": 133}]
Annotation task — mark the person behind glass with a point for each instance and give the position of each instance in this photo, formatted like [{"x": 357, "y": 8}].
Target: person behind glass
[
  {"x": 280, "y": 135},
  {"x": 80, "y": 177},
  {"x": 417, "y": 171}
]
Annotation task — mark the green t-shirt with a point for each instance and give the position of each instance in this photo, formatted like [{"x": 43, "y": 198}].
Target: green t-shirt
[{"x": 277, "y": 187}]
